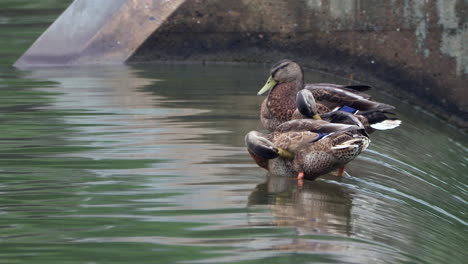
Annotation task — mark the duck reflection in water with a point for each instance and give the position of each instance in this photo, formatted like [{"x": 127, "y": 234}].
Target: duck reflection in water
[{"x": 316, "y": 208}]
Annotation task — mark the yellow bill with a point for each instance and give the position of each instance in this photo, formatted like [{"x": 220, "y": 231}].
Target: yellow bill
[
  {"x": 316, "y": 117},
  {"x": 285, "y": 154},
  {"x": 268, "y": 85}
]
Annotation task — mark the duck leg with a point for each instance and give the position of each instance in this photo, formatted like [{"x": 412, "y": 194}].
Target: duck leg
[
  {"x": 340, "y": 172},
  {"x": 300, "y": 179},
  {"x": 300, "y": 175}
]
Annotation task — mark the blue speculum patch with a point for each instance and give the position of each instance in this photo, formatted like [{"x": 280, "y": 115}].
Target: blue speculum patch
[{"x": 347, "y": 109}]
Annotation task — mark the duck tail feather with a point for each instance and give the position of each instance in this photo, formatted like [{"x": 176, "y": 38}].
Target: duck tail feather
[
  {"x": 377, "y": 116},
  {"x": 386, "y": 124},
  {"x": 345, "y": 147},
  {"x": 352, "y": 143},
  {"x": 361, "y": 142},
  {"x": 381, "y": 107},
  {"x": 358, "y": 87}
]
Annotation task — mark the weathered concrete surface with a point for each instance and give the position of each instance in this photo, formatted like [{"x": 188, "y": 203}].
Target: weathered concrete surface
[
  {"x": 418, "y": 46},
  {"x": 98, "y": 32}
]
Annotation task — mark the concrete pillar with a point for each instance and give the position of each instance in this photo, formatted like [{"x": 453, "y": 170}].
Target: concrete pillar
[{"x": 98, "y": 32}]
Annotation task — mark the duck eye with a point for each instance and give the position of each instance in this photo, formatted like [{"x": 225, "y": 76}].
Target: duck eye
[{"x": 275, "y": 70}]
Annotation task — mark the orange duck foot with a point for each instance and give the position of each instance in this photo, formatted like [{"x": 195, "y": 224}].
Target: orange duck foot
[{"x": 340, "y": 172}]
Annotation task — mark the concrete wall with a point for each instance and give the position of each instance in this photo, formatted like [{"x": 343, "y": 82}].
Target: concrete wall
[{"x": 420, "y": 47}]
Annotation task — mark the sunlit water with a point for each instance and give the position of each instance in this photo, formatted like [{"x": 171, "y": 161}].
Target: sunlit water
[{"x": 147, "y": 164}]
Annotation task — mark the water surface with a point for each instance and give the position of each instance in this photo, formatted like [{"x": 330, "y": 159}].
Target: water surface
[{"x": 146, "y": 163}]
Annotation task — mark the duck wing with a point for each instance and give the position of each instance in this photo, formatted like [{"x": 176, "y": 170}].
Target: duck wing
[
  {"x": 317, "y": 126},
  {"x": 358, "y": 89},
  {"x": 292, "y": 140},
  {"x": 333, "y": 96},
  {"x": 346, "y": 118}
]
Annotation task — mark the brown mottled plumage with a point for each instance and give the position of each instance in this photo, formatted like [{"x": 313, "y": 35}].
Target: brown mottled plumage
[
  {"x": 326, "y": 155},
  {"x": 311, "y": 155},
  {"x": 288, "y": 79},
  {"x": 279, "y": 106},
  {"x": 281, "y": 101}
]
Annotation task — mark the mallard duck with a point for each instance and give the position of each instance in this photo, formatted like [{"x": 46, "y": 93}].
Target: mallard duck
[
  {"x": 373, "y": 119},
  {"x": 307, "y": 148},
  {"x": 287, "y": 79}
]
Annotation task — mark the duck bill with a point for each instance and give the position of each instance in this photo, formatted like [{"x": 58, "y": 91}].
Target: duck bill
[
  {"x": 268, "y": 85},
  {"x": 317, "y": 117},
  {"x": 285, "y": 154}
]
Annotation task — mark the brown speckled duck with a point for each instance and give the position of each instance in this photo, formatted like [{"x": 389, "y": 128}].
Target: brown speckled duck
[
  {"x": 284, "y": 99},
  {"x": 306, "y": 148}
]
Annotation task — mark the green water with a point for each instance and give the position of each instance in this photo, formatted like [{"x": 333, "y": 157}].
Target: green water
[{"x": 146, "y": 164}]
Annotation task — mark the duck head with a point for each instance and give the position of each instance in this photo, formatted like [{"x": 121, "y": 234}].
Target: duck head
[
  {"x": 284, "y": 71},
  {"x": 305, "y": 103},
  {"x": 261, "y": 146}
]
